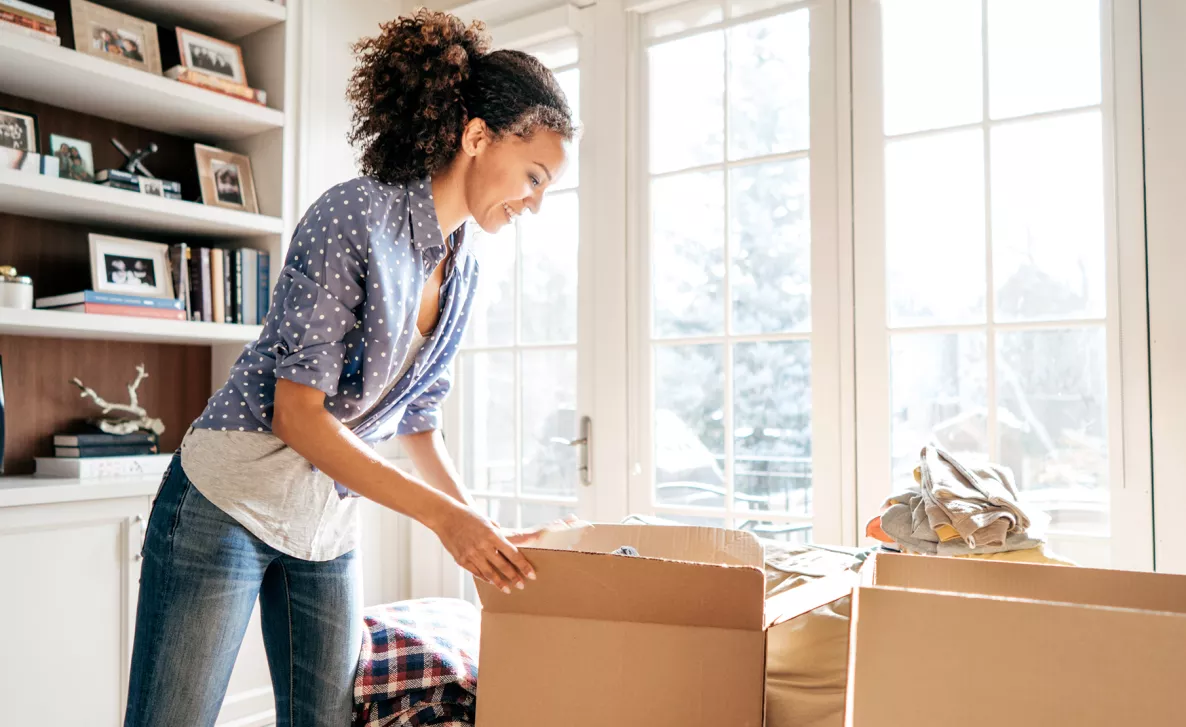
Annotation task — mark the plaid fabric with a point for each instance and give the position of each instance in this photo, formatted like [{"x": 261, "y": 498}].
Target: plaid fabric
[{"x": 419, "y": 665}]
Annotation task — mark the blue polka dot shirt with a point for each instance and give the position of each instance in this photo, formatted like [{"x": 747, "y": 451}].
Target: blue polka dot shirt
[{"x": 344, "y": 310}]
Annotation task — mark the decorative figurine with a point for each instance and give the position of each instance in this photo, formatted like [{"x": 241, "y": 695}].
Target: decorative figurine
[
  {"x": 134, "y": 160},
  {"x": 122, "y": 425}
]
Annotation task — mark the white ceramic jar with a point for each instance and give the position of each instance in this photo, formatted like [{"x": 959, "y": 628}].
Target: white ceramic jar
[{"x": 16, "y": 291}]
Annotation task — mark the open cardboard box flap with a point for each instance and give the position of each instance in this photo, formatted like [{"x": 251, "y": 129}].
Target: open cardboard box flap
[{"x": 672, "y": 637}]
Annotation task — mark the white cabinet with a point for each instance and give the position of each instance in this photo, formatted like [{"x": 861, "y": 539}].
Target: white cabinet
[{"x": 69, "y": 578}]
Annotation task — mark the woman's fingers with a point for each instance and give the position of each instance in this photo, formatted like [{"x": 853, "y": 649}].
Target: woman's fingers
[
  {"x": 488, "y": 573},
  {"x": 516, "y": 558}
]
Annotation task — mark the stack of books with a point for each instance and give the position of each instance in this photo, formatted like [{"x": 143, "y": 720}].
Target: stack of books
[
  {"x": 95, "y": 455},
  {"x": 222, "y": 286},
  {"x": 119, "y": 179},
  {"x": 18, "y": 17},
  {"x": 114, "y": 304},
  {"x": 218, "y": 85}
]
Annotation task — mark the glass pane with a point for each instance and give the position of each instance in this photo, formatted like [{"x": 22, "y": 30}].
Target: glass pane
[
  {"x": 694, "y": 520},
  {"x": 934, "y": 229},
  {"x": 1043, "y": 55},
  {"x": 549, "y": 244},
  {"x": 549, "y": 412},
  {"x": 686, "y": 108},
  {"x": 682, "y": 17},
  {"x": 487, "y": 383},
  {"x": 770, "y": 238},
  {"x": 781, "y": 531},
  {"x": 500, "y": 511},
  {"x": 492, "y": 317},
  {"x": 532, "y": 514},
  {"x": 938, "y": 395},
  {"x": 772, "y": 426},
  {"x": 570, "y": 83},
  {"x": 1049, "y": 254},
  {"x": 739, "y": 8},
  {"x": 689, "y": 425},
  {"x": 933, "y": 73},
  {"x": 688, "y": 254},
  {"x": 769, "y": 85},
  {"x": 1055, "y": 439}
]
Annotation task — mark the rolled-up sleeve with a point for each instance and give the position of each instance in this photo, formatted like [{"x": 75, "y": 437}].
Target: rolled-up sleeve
[
  {"x": 424, "y": 413},
  {"x": 312, "y": 327}
]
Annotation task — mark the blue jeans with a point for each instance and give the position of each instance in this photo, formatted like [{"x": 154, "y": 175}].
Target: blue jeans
[{"x": 201, "y": 574}]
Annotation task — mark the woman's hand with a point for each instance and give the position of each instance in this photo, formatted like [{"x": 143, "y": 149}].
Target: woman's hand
[
  {"x": 478, "y": 546},
  {"x": 520, "y": 537}
]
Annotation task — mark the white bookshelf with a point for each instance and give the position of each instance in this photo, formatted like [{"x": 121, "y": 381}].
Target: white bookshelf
[
  {"x": 67, "y": 200},
  {"x": 65, "y": 324},
  {"x": 25, "y": 490},
  {"x": 37, "y": 70},
  {"x": 226, "y": 19}
]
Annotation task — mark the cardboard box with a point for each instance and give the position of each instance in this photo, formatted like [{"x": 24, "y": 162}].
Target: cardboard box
[
  {"x": 674, "y": 638},
  {"x": 941, "y": 641}
]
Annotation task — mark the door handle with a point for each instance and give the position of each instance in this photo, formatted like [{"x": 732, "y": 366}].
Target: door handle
[
  {"x": 584, "y": 441},
  {"x": 143, "y": 523}
]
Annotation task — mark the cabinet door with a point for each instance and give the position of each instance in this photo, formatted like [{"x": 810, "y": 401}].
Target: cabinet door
[{"x": 68, "y": 606}]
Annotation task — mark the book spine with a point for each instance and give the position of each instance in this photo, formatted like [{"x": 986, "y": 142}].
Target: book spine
[
  {"x": 265, "y": 288},
  {"x": 103, "y": 439},
  {"x": 209, "y": 83},
  {"x": 29, "y": 9},
  {"x": 195, "y": 284},
  {"x": 134, "y": 301},
  {"x": 129, "y": 450},
  {"x": 26, "y": 22},
  {"x": 108, "y": 309},
  {"x": 248, "y": 282},
  {"x": 29, "y": 33},
  {"x": 240, "y": 308},
  {"x": 182, "y": 290},
  {"x": 228, "y": 274},
  {"x": 102, "y": 467},
  {"x": 216, "y": 286},
  {"x": 207, "y": 298}
]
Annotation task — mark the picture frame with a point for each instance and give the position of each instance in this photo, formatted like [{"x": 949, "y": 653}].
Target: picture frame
[
  {"x": 115, "y": 36},
  {"x": 130, "y": 267},
  {"x": 18, "y": 130},
  {"x": 226, "y": 179},
  {"x": 76, "y": 158},
  {"x": 211, "y": 56},
  {"x": 152, "y": 187}
]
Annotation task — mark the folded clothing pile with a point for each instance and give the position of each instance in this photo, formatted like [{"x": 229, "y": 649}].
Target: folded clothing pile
[
  {"x": 419, "y": 665},
  {"x": 956, "y": 509}
]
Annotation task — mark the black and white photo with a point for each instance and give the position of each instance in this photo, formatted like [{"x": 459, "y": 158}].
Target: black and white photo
[
  {"x": 18, "y": 130},
  {"x": 133, "y": 267},
  {"x": 226, "y": 182},
  {"x": 152, "y": 187},
  {"x": 211, "y": 56}
]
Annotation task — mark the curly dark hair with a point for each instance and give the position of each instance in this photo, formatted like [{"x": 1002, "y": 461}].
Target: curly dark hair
[{"x": 420, "y": 81}]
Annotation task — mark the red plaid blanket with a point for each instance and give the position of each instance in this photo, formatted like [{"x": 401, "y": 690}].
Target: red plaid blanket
[{"x": 419, "y": 665}]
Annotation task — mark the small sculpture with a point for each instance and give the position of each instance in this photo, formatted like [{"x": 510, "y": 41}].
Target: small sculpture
[
  {"x": 123, "y": 425},
  {"x": 132, "y": 164}
]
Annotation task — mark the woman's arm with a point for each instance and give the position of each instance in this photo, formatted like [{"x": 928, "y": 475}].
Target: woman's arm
[
  {"x": 302, "y": 422},
  {"x": 434, "y": 463}
]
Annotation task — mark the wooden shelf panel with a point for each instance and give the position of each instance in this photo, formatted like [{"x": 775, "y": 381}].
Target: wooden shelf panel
[
  {"x": 66, "y": 200},
  {"x": 36, "y": 70},
  {"x": 226, "y": 19},
  {"x": 62, "y": 324}
]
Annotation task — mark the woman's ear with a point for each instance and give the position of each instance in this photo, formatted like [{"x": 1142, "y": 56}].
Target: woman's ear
[{"x": 475, "y": 137}]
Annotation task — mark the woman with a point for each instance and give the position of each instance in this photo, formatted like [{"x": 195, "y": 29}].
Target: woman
[{"x": 366, "y": 316}]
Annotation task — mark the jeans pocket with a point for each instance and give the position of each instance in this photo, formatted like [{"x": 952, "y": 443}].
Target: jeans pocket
[{"x": 185, "y": 486}]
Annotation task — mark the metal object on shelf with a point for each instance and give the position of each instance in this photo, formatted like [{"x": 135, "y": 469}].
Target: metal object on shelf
[{"x": 16, "y": 291}]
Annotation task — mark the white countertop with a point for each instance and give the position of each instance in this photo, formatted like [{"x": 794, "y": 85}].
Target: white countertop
[{"x": 24, "y": 490}]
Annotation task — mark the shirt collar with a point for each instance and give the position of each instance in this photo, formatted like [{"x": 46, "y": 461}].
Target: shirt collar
[{"x": 422, "y": 213}]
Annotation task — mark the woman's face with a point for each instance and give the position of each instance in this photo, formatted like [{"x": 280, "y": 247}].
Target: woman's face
[{"x": 511, "y": 174}]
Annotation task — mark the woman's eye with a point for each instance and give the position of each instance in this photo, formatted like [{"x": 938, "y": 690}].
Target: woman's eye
[{"x": 534, "y": 180}]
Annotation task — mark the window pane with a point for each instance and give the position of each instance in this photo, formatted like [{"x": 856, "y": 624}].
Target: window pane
[
  {"x": 938, "y": 395},
  {"x": 549, "y": 412},
  {"x": 549, "y": 248},
  {"x": 770, "y": 238},
  {"x": 687, "y": 102},
  {"x": 1043, "y": 55},
  {"x": 532, "y": 514},
  {"x": 488, "y": 409},
  {"x": 570, "y": 83},
  {"x": 1053, "y": 385},
  {"x": 557, "y": 53},
  {"x": 934, "y": 229},
  {"x": 492, "y": 317},
  {"x": 932, "y": 64},
  {"x": 694, "y": 520},
  {"x": 769, "y": 85},
  {"x": 500, "y": 511},
  {"x": 688, "y": 254},
  {"x": 772, "y": 426},
  {"x": 1048, "y": 219},
  {"x": 689, "y": 425},
  {"x": 684, "y": 16},
  {"x": 781, "y": 531}
]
